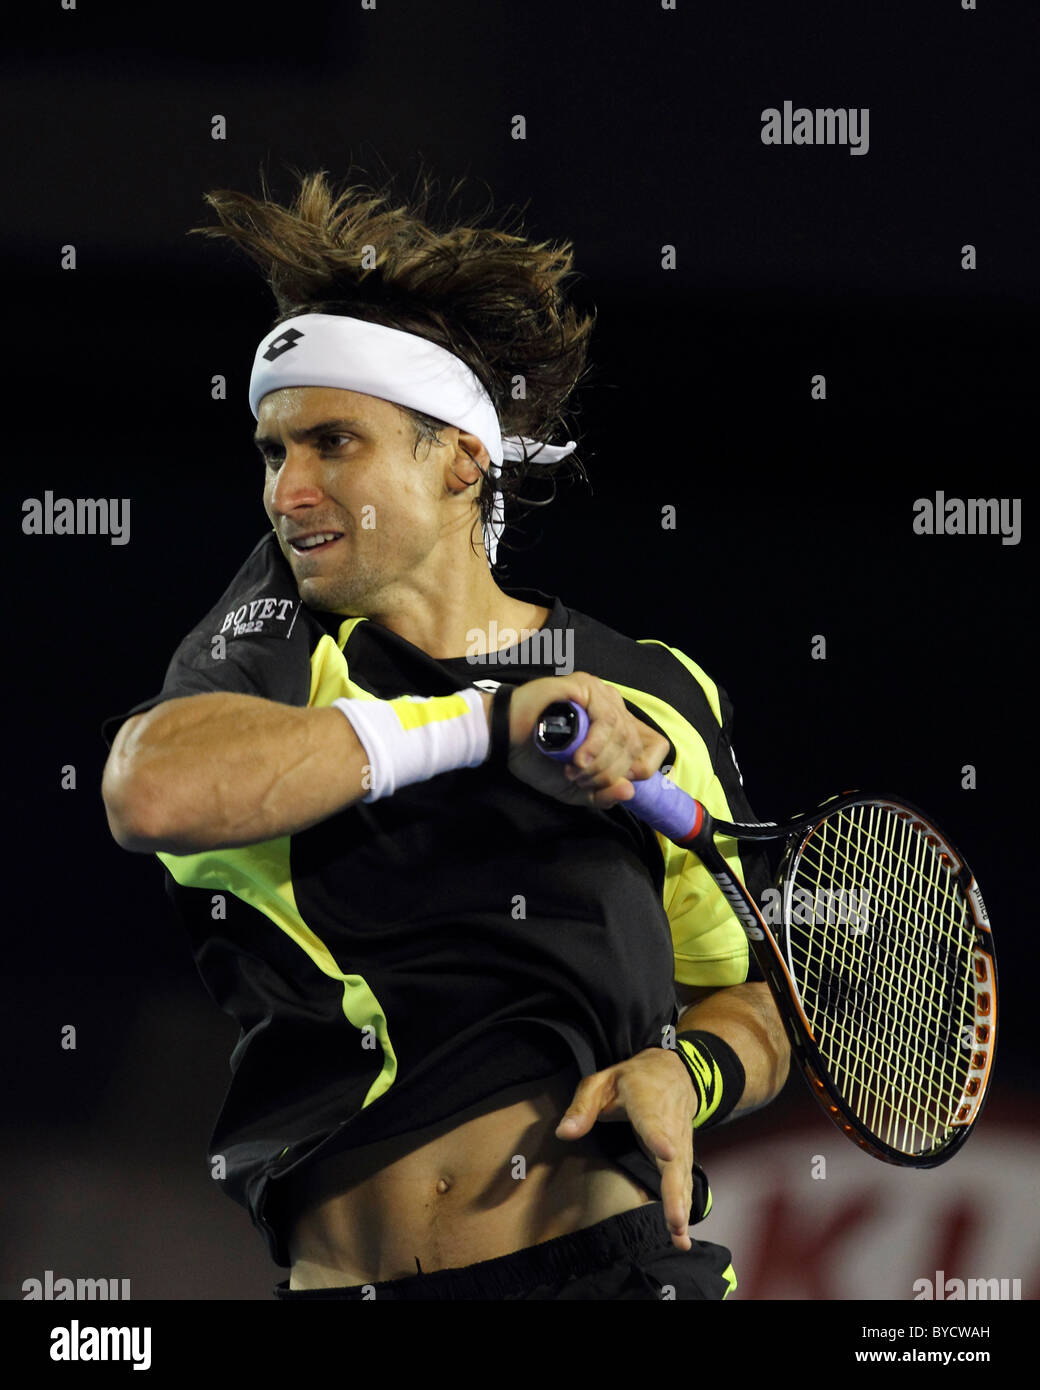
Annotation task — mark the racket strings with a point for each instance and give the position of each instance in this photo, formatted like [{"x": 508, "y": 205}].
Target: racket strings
[
  {"x": 852, "y": 957},
  {"x": 880, "y": 943},
  {"x": 880, "y": 946},
  {"x": 914, "y": 1078},
  {"x": 867, "y": 963}
]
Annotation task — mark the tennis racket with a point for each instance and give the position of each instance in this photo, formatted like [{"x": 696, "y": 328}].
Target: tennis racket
[{"x": 881, "y": 964}]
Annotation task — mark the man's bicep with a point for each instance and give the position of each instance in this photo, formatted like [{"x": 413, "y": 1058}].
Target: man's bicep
[
  {"x": 125, "y": 741},
  {"x": 121, "y": 735},
  {"x": 272, "y": 667},
  {"x": 183, "y": 680}
]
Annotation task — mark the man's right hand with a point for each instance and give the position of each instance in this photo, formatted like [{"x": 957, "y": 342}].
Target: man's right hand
[{"x": 617, "y": 750}]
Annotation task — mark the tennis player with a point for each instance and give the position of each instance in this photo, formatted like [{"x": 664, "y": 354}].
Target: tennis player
[{"x": 483, "y": 1008}]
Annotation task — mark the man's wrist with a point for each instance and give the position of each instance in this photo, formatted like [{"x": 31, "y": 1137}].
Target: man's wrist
[
  {"x": 413, "y": 737},
  {"x": 682, "y": 1062},
  {"x": 716, "y": 1072},
  {"x": 498, "y": 726}
]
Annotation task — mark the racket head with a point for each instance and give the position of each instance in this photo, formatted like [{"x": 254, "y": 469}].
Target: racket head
[{"x": 888, "y": 945}]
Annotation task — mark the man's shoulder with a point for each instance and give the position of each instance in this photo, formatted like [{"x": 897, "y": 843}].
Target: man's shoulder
[
  {"x": 265, "y": 567},
  {"x": 649, "y": 665},
  {"x": 261, "y": 595}
]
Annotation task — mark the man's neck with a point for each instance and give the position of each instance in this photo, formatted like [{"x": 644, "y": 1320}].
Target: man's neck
[{"x": 464, "y": 610}]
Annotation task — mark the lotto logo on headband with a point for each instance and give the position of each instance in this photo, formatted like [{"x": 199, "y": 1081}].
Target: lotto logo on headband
[{"x": 282, "y": 343}]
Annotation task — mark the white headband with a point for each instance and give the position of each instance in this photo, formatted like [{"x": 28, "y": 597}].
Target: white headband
[{"x": 355, "y": 355}]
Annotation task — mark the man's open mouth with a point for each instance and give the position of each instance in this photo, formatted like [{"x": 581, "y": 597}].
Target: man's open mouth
[{"x": 320, "y": 540}]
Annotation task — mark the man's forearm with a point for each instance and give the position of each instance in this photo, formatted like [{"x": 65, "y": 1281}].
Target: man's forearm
[
  {"x": 746, "y": 1017},
  {"x": 215, "y": 771}
]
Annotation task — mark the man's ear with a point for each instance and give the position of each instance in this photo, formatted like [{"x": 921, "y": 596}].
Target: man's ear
[{"x": 468, "y": 464}]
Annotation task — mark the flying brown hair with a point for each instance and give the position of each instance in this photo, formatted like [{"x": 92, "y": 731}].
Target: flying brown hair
[{"x": 491, "y": 296}]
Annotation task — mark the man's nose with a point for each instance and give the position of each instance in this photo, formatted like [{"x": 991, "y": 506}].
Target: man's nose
[{"x": 299, "y": 481}]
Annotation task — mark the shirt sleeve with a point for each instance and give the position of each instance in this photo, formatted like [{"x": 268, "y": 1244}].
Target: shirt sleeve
[
  {"x": 711, "y": 946},
  {"x": 253, "y": 641}
]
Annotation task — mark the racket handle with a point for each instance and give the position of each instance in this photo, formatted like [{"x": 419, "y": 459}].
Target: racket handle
[{"x": 559, "y": 734}]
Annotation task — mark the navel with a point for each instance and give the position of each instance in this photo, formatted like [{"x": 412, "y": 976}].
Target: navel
[{"x": 443, "y": 1184}]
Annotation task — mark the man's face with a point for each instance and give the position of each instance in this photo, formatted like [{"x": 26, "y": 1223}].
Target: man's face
[{"x": 341, "y": 464}]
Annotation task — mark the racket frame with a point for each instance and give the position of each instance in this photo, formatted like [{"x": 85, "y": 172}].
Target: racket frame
[
  {"x": 677, "y": 816},
  {"x": 771, "y": 954}
]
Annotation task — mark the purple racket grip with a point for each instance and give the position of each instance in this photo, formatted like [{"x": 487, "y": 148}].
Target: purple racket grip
[
  {"x": 562, "y": 721},
  {"x": 661, "y": 804}
]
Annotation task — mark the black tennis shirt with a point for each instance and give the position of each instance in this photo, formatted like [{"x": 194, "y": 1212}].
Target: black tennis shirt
[{"x": 405, "y": 959}]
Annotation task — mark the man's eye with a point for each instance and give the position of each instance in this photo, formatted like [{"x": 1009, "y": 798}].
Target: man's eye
[{"x": 272, "y": 459}]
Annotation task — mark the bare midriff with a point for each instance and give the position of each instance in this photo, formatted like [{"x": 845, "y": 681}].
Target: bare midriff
[{"x": 482, "y": 1184}]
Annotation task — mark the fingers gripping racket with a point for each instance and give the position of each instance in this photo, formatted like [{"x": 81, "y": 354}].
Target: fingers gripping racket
[{"x": 881, "y": 965}]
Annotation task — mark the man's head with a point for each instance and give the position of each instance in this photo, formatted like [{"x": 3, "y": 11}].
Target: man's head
[
  {"x": 490, "y": 298},
  {"x": 396, "y": 499}
]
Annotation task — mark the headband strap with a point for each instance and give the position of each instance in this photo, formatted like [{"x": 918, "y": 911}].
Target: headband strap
[{"x": 355, "y": 355}]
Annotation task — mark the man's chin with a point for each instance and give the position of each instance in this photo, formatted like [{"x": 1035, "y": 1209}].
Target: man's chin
[
  {"x": 316, "y": 592},
  {"x": 322, "y": 593}
]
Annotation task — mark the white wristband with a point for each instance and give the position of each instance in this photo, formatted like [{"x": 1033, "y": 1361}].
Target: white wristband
[{"x": 415, "y": 737}]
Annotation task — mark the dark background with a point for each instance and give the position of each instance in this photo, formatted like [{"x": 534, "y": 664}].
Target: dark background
[{"x": 794, "y": 516}]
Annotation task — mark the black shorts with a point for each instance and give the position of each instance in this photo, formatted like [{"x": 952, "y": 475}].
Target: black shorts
[{"x": 629, "y": 1256}]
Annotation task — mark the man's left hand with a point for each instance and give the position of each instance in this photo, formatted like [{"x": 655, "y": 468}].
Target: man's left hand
[{"x": 653, "y": 1091}]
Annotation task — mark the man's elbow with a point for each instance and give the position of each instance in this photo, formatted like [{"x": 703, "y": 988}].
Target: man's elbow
[
  {"x": 777, "y": 1043},
  {"x": 137, "y": 811},
  {"x": 134, "y": 812}
]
